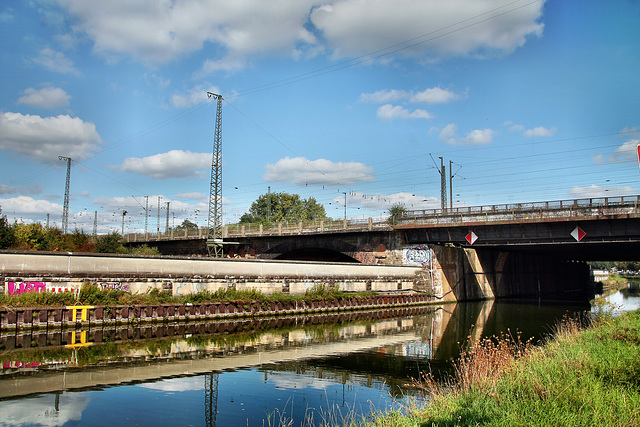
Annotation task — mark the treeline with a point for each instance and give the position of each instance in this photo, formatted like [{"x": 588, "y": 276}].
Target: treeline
[
  {"x": 618, "y": 265},
  {"x": 36, "y": 237}
]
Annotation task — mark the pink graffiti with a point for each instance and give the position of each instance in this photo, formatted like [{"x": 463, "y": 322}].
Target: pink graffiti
[
  {"x": 37, "y": 287},
  {"x": 26, "y": 288}
]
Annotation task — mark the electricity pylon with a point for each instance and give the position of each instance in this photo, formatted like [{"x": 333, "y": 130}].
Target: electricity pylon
[
  {"x": 65, "y": 209},
  {"x": 214, "y": 222}
]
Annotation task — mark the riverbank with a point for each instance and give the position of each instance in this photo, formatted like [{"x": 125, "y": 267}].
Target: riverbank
[
  {"x": 96, "y": 307},
  {"x": 583, "y": 376}
]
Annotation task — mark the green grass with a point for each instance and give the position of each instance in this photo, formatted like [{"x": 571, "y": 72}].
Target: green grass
[
  {"x": 92, "y": 295},
  {"x": 582, "y": 377}
]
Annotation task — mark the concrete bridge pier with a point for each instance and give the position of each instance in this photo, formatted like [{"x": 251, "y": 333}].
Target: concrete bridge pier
[{"x": 464, "y": 274}]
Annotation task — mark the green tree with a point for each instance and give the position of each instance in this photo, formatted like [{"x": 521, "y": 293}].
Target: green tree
[
  {"x": 111, "y": 243},
  {"x": 396, "y": 211},
  {"x": 6, "y": 232},
  {"x": 188, "y": 226},
  {"x": 281, "y": 207}
]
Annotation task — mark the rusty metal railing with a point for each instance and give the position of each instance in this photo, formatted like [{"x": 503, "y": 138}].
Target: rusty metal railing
[{"x": 591, "y": 208}]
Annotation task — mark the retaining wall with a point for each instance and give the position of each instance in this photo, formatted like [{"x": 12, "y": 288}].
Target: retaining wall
[
  {"x": 63, "y": 317},
  {"x": 183, "y": 275}
]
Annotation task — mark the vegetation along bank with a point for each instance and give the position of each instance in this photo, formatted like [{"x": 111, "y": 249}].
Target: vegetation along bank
[{"x": 584, "y": 376}]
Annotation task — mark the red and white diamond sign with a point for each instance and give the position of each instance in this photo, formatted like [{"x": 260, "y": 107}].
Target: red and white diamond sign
[
  {"x": 471, "y": 237},
  {"x": 578, "y": 233}
]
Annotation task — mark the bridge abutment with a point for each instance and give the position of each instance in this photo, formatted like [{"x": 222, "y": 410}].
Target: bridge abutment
[{"x": 464, "y": 274}]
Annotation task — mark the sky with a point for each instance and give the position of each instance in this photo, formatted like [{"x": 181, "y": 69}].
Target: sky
[{"x": 340, "y": 100}]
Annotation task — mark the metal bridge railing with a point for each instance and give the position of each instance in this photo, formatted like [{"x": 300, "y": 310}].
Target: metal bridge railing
[
  {"x": 591, "y": 208},
  {"x": 280, "y": 229}
]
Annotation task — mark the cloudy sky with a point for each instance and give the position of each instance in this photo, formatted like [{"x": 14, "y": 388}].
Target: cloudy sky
[{"x": 529, "y": 100}]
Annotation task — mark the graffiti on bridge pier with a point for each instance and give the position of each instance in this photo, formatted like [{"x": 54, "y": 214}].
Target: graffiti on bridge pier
[{"x": 417, "y": 255}]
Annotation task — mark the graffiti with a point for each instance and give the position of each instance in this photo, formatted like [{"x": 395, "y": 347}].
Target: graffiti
[
  {"x": 420, "y": 255},
  {"x": 186, "y": 288},
  {"x": 26, "y": 288},
  {"x": 15, "y": 288},
  {"x": 117, "y": 286}
]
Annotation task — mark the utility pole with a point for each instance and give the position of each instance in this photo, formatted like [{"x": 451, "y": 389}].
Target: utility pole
[
  {"x": 158, "y": 221},
  {"x": 123, "y": 215},
  {"x": 146, "y": 215},
  {"x": 269, "y": 203},
  {"x": 450, "y": 185},
  {"x": 443, "y": 185},
  {"x": 166, "y": 229},
  {"x": 65, "y": 209},
  {"x": 95, "y": 224},
  {"x": 214, "y": 221},
  {"x": 345, "y": 205}
]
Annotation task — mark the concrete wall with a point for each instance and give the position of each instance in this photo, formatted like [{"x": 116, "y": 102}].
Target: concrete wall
[{"x": 187, "y": 275}]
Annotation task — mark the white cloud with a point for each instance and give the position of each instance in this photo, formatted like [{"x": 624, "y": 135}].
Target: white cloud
[
  {"x": 598, "y": 191},
  {"x": 480, "y": 136},
  {"x": 193, "y": 96},
  {"x": 475, "y": 137},
  {"x": 39, "y": 410},
  {"x": 48, "y": 97},
  {"x": 540, "y": 131},
  {"x": 46, "y": 138},
  {"x": 301, "y": 171},
  {"x": 389, "y": 112},
  {"x": 537, "y": 131},
  {"x": 158, "y": 32},
  {"x": 625, "y": 153},
  {"x": 385, "y": 95},
  {"x": 173, "y": 164},
  {"x": 355, "y": 27},
  {"x": 435, "y": 95},
  {"x": 28, "y": 208},
  {"x": 56, "y": 61},
  {"x": 175, "y": 384}
]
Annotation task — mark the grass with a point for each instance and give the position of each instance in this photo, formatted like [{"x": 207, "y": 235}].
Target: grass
[
  {"x": 93, "y": 295},
  {"x": 582, "y": 376}
]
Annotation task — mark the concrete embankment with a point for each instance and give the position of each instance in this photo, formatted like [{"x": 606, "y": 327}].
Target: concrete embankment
[{"x": 26, "y": 271}]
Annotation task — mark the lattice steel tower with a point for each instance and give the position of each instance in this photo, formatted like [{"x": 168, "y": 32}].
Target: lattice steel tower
[
  {"x": 214, "y": 223},
  {"x": 65, "y": 209}
]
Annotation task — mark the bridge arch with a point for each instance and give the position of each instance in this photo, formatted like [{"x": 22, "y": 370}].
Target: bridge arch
[{"x": 319, "y": 249}]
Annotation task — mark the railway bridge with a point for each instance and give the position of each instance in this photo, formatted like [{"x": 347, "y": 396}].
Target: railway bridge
[{"x": 526, "y": 249}]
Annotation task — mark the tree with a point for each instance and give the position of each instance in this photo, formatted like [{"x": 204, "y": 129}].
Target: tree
[
  {"x": 281, "y": 207},
  {"x": 187, "y": 226},
  {"x": 396, "y": 211},
  {"x": 6, "y": 232},
  {"x": 110, "y": 243}
]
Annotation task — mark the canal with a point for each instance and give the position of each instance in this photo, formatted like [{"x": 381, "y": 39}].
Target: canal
[{"x": 302, "y": 370}]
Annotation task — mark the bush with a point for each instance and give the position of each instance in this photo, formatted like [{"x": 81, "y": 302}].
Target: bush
[{"x": 110, "y": 243}]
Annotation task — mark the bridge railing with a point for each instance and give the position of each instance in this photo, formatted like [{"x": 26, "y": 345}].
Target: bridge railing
[
  {"x": 518, "y": 212},
  {"x": 279, "y": 229}
]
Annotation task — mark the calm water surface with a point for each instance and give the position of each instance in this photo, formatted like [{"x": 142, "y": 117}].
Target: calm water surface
[{"x": 249, "y": 373}]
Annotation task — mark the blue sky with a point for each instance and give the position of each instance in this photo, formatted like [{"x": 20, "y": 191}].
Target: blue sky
[{"x": 530, "y": 100}]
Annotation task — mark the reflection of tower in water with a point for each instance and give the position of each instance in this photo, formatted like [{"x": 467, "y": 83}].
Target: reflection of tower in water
[{"x": 210, "y": 399}]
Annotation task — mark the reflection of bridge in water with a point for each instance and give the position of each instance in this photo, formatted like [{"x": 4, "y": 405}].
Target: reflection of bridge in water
[{"x": 334, "y": 344}]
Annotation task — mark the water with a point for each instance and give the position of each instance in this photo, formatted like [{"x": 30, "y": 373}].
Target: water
[
  {"x": 248, "y": 373},
  {"x": 627, "y": 299}
]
